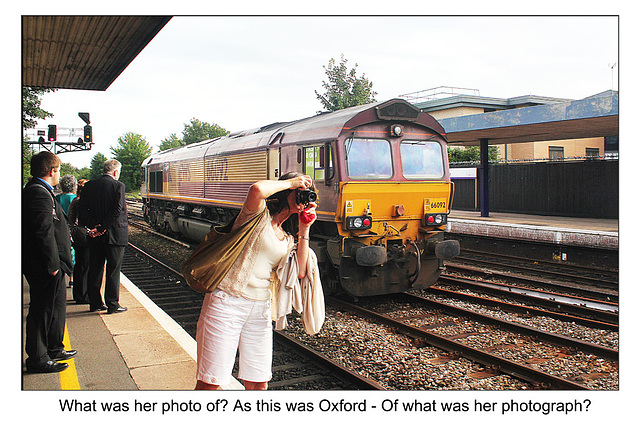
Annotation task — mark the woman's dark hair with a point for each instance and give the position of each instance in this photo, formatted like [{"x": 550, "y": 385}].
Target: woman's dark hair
[{"x": 277, "y": 202}]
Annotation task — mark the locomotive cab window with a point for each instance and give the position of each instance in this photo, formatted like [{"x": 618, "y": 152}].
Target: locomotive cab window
[
  {"x": 368, "y": 158},
  {"x": 422, "y": 160}
]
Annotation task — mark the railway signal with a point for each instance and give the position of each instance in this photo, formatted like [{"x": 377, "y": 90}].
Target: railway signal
[
  {"x": 53, "y": 133},
  {"x": 87, "y": 129},
  {"x": 63, "y": 139},
  {"x": 87, "y": 133}
]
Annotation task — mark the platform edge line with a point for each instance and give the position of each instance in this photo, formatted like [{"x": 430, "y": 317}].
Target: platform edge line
[{"x": 69, "y": 377}]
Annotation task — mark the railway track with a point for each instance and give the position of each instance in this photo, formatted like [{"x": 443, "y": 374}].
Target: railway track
[
  {"x": 517, "y": 279},
  {"x": 590, "y": 312},
  {"x": 380, "y": 360},
  {"x": 458, "y": 337},
  {"x": 599, "y": 278}
]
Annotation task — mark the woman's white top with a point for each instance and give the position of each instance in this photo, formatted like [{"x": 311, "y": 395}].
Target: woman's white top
[{"x": 272, "y": 251}]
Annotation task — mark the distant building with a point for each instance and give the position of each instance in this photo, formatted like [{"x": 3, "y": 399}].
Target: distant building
[{"x": 445, "y": 102}]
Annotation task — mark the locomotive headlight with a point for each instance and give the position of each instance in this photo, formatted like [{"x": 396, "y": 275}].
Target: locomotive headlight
[
  {"x": 397, "y": 130},
  {"x": 359, "y": 222}
]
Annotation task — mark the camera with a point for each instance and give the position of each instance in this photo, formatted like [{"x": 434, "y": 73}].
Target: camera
[{"x": 305, "y": 197}]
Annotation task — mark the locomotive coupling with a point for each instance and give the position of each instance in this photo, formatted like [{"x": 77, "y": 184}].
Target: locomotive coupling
[{"x": 444, "y": 250}]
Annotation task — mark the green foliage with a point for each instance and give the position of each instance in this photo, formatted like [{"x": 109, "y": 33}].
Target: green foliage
[
  {"x": 27, "y": 153},
  {"x": 31, "y": 102},
  {"x": 31, "y": 113},
  {"x": 197, "y": 131},
  {"x": 470, "y": 154},
  {"x": 97, "y": 165},
  {"x": 132, "y": 149},
  {"x": 194, "y": 131},
  {"x": 68, "y": 169},
  {"x": 344, "y": 89},
  {"x": 171, "y": 142}
]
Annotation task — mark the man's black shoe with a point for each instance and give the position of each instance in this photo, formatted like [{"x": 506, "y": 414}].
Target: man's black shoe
[
  {"x": 48, "y": 367},
  {"x": 63, "y": 355},
  {"x": 119, "y": 309},
  {"x": 98, "y": 308}
]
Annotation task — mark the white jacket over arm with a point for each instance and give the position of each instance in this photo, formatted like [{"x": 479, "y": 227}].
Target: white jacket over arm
[{"x": 304, "y": 295}]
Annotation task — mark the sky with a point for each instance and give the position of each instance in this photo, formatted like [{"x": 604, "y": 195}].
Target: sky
[{"x": 244, "y": 72}]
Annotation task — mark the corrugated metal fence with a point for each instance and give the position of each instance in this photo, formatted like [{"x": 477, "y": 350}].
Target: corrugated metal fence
[{"x": 588, "y": 189}]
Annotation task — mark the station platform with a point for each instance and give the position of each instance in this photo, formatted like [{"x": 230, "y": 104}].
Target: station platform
[
  {"x": 140, "y": 349},
  {"x": 580, "y": 232}
]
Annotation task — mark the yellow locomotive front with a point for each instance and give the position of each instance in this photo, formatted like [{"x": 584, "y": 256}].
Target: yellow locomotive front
[{"x": 394, "y": 195}]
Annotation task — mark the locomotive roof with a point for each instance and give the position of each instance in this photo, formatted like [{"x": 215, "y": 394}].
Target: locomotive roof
[{"x": 319, "y": 128}]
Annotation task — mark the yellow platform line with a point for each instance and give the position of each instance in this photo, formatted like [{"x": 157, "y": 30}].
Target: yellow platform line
[{"x": 69, "y": 377}]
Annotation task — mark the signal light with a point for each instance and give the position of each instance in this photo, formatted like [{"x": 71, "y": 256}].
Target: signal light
[
  {"x": 87, "y": 133},
  {"x": 53, "y": 133}
]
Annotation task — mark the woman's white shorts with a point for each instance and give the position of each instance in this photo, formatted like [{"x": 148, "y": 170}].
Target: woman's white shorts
[{"x": 227, "y": 324}]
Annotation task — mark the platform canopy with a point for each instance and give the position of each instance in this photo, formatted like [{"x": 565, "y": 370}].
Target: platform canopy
[
  {"x": 585, "y": 118},
  {"x": 82, "y": 52}
]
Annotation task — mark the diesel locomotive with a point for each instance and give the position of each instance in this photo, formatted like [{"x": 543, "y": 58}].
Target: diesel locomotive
[{"x": 383, "y": 189}]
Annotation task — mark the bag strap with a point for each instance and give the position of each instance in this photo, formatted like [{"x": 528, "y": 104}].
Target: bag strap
[{"x": 203, "y": 270}]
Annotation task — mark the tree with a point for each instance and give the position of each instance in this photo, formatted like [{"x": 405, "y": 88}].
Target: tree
[
  {"x": 344, "y": 89},
  {"x": 132, "y": 149},
  {"x": 27, "y": 153},
  {"x": 31, "y": 102},
  {"x": 97, "y": 165},
  {"x": 171, "y": 142},
  {"x": 194, "y": 131},
  {"x": 470, "y": 154},
  {"x": 31, "y": 113},
  {"x": 197, "y": 131}
]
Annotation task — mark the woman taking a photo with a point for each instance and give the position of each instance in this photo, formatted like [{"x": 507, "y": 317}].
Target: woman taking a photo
[{"x": 237, "y": 314}]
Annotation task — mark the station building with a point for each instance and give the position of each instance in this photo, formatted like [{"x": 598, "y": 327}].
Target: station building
[
  {"x": 446, "y": 102},
  {"x": 546, "y": 151}
]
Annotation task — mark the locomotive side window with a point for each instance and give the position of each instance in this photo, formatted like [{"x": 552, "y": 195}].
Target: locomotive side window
[
  {"x": 155, "y": 182},
  {"x": 422, "y": 160},
  {"x": 314, "y": 158},
  {"x": 368, "y": 158}
]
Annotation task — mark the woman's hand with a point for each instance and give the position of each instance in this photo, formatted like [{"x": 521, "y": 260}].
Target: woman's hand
[
  {"x": 261, "y": 190},
  {"x": 301, "y": 182},
  {"x": 308, "y": 215}
]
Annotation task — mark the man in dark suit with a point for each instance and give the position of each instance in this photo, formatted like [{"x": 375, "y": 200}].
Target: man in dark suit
[
  {"x": 104, "y": 211},
  {"x": 46, "y": 258}
]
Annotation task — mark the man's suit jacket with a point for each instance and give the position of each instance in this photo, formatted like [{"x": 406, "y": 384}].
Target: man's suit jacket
[
  {"x": 103, "y": 202},
  {"x": 46, "y": 241}
]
